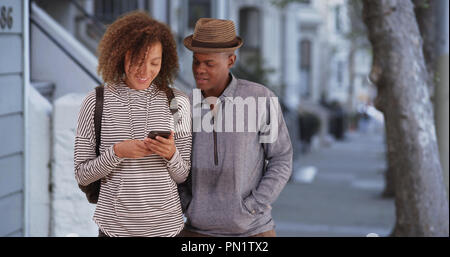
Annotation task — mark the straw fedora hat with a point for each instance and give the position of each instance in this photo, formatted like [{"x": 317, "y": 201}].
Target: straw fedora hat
[{"x": 213, "y": 36}]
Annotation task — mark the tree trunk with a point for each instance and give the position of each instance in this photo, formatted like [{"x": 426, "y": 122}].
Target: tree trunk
[
  {"x": 426, "y": 17},
  {"x": 441, "y": 96},
  {"x": 401, "y": 76},
  {"x": 389, "y": 188},
  {"x": 425, "y": 11}
]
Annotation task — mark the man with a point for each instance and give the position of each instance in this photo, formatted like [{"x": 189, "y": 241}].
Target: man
[{"x": 237, "y": 175}]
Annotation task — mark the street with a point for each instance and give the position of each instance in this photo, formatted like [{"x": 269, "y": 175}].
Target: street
[{"x": 338, "y": 193}]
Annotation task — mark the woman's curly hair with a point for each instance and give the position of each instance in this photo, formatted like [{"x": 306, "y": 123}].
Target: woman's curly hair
[{"x": 135, "y": 31}]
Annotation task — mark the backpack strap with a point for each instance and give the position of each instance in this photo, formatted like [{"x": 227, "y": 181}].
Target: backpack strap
[
  {"x": 173, "y": 105},
  {"x": 98, "y": 111},
  {"x": 92, "y": 190}
]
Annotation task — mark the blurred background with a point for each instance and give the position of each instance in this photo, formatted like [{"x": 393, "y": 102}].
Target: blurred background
[{"x": 314, "y": 54}]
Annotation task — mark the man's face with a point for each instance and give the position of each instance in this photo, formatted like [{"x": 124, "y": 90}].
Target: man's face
[{"x": 211, "y": 70}]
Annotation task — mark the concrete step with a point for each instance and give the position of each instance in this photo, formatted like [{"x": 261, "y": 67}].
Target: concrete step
[{"x": 45, "y": 88}]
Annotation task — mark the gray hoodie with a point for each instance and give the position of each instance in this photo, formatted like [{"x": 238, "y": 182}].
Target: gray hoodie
[{"x": 234, "y": 177}]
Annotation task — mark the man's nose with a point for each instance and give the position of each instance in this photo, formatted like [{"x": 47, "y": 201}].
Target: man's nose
[{"x": 199, "y": 69}]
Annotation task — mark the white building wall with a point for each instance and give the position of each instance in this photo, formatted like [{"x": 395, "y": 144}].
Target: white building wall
[
  {"x": 39, "y": 151},
  {"x": 13, "y": 80},
  {"x": 71, "y": 212},
  {"x": 270, "y": 35},
  {"x": 271, "y": 42},
  {"x": 221, "y": 9},
  {"x": 158, "y": 9},
  {"x": 338, "y": 47},
  {"x": 292, "y": 56}
]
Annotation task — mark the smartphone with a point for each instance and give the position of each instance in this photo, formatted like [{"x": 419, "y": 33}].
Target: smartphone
[{"x": 154, "y": 133}]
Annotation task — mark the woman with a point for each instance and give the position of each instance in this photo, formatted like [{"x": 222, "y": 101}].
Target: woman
[{"x": 139, "y": 176}]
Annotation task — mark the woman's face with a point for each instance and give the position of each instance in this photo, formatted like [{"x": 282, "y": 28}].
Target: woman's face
[{"x": 140, "y": 78}]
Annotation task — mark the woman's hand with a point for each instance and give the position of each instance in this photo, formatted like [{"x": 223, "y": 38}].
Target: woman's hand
[
  {"x": 161, "y": 146},
  {"x": 132, "y": 149}
]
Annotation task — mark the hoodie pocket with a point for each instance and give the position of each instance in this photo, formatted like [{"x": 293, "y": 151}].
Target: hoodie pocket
[
  {"x": 142, "y": 197},
  {"x": 252, "y": 207},
  {"x": 246, "y": 208}
]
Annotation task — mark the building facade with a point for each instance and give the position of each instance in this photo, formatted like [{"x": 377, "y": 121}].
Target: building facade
[
  {"x": 48, "y": 63},
  {"x": 13, "y": 78}
]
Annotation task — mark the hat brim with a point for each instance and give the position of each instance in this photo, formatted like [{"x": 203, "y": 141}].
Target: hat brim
[{"x": 188, "y": 44}]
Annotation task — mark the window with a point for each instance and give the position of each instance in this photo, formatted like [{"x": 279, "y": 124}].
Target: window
[
  {"x": 107, "y": 11},
  {"x": 249, "y": 31},
  {"x": 305, "y": 67},
  {"x": 340, "y": 73},
  {"x": 305, "y": 54},
  {"x": 249, "y": 27},
  {"x": 198, "y": 9},
  {"x": 337, "y": 17}
]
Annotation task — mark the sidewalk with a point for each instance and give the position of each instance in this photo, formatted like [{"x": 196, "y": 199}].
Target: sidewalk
[{"x": 344, "y": 198}]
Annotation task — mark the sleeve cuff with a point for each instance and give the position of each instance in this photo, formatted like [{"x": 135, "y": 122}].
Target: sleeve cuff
[
  {"x": 175, "y": 158},
  {"x": 113, "y": 155}
]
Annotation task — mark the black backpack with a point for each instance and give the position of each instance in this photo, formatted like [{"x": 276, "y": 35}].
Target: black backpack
[{"x": 92, "y": 190}]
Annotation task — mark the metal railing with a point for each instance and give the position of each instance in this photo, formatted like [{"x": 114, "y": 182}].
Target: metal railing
[
  {"x": 64, "y": 50},
  {"x": 97, "y": 23},
  {"x": 100, "y": 28}
]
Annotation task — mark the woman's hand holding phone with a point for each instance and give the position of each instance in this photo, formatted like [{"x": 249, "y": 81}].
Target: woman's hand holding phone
[
  {"x": 164, "y": 147},
  {"x": 132, "y": 149}
]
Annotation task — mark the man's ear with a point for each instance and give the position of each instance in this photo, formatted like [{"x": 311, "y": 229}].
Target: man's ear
[{"x": 231, "y": 60}]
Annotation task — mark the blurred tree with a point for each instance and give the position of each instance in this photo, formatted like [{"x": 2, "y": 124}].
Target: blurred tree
[
  {"x": 400, "y": 73},
  {"x": 251, "y": 67}
]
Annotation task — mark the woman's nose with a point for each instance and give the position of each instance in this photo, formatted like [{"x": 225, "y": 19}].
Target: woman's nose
[{"x": 144, "y": 71}]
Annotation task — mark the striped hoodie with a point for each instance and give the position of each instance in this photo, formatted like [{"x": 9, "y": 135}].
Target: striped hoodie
[{"x": 138, "y": 197}]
